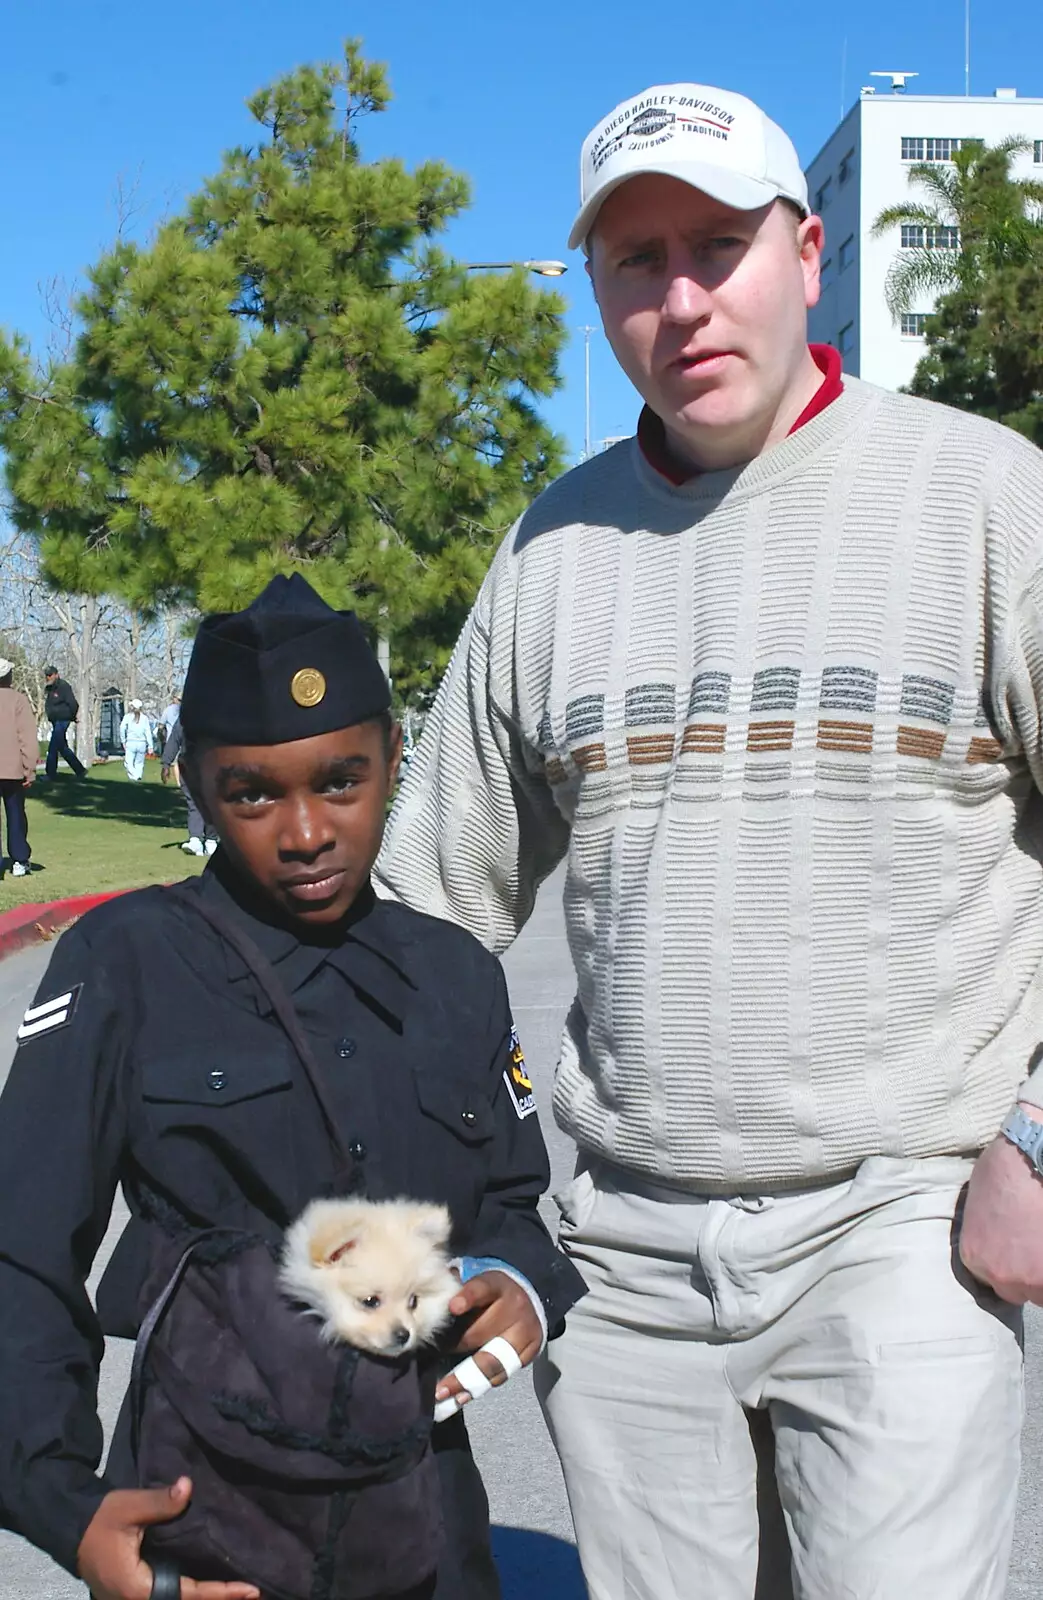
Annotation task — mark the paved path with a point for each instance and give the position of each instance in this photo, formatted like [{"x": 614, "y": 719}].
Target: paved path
[{"x": 533, "y": 1531}]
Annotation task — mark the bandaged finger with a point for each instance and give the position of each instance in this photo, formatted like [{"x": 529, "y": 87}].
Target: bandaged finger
[{"x": 473, "y": 1380}]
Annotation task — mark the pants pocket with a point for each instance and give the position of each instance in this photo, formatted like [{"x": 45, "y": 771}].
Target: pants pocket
[{"x": 576, "y": 1202}]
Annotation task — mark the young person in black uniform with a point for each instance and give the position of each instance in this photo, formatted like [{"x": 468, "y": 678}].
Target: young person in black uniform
[{"x": 200, "y": 1109}]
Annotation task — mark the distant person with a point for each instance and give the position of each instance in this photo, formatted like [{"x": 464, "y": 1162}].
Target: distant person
[
  {"x": 202, "y": 836},
  {"x": 61, "y": 708},
  {"x": 136, "y": 739},
  {"x": 171, "y": 715},
  {"x": 18, "y": 753}
]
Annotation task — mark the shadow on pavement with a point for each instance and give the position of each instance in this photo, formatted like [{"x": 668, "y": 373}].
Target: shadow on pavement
[
  {"x": 149, "y": 805},
  {"x": 536, "y": 1564}
]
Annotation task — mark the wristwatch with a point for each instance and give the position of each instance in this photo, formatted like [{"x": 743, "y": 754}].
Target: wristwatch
[{"x": 1027, "y": 1134}]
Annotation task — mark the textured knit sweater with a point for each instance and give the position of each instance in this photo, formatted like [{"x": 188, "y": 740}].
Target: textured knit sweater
[{"x": 785, "y": 723}]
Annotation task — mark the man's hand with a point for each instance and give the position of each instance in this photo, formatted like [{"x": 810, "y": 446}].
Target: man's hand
[
  {"x": 164, "y": 774},
  {"x": 110, "y": 1561},
  {"x": 497, "y": 1305},
  {"x": 1001, "y": 1239},
  {"x": 28, "y": 782}
]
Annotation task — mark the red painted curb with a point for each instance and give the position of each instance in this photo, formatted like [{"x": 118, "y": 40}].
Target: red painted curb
[{"x": 26, "y": 925}]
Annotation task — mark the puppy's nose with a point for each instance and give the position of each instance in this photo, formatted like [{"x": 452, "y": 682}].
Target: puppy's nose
[{"x": 399, "y": 1337}]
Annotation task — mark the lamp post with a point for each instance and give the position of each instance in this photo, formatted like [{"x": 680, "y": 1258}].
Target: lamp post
[
  {"x": 587, "y": 331},
  {"x": 542, "y": 269}
]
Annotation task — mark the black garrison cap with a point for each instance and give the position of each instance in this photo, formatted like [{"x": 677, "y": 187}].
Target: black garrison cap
[{"x": 287, "y": 667}]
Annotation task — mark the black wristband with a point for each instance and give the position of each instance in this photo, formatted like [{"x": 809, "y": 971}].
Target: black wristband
[{"x": 166, "y": 1581}]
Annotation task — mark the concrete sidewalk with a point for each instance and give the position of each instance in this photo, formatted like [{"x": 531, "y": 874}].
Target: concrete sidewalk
[{"x": 533, "y": 1531}]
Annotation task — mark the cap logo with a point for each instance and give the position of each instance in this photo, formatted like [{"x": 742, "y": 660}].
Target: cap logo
[
  {"x": 650, "y": 123},
  {"x": 308, "y": 686},
  {"x": 661, "y": 119}
]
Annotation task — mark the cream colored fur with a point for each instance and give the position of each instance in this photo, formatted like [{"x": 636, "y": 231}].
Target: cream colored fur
[{"x": 376, "y": 1272}]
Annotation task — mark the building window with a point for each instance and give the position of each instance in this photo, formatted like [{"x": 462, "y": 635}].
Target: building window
[
  {"x": 824, "y": 195},
  {"x": 846, "y": 339},
  {"x": 913, "y": 324},
  {"x": 847, "y": 167},
  {"x": 1037, "y": 152},
  {"x": 846, "y": 253},
  {"x": 918, "y": 236},
  {"x": 929, "y": 149}
]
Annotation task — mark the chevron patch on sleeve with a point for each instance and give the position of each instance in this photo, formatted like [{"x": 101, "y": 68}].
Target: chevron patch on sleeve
[{"x": 49, "y": 1015}]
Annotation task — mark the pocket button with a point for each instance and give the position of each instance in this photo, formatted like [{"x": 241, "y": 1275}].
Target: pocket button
[{"x": 216, "y": 1078}]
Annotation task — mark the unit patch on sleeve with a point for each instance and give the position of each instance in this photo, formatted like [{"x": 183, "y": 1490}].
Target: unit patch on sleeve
[
  {"x": 517, "y": 1079},
  {"x": 49, "y": 1015}
]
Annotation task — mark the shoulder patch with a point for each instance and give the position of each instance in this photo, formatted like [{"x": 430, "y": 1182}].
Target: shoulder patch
[
  {"x": 517, "y": 1079},
  {"x": 49, "y": 1015}
]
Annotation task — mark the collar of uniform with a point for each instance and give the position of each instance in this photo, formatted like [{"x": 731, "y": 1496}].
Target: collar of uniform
[
  {"x": 651, "y": 435},
  {"x": 363, "y": 951}
]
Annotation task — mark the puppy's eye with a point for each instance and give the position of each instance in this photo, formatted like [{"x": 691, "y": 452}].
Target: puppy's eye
[
  {"x": 412, "y": 1302},
  {"x": 371, "y": 1303}
]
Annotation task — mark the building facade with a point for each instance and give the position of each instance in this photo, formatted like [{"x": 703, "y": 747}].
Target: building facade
[{"x": 864, "y": 168}]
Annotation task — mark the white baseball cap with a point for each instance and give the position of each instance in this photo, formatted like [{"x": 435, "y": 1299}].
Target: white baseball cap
[
  {"x": 717, "y": 141},
  {"x": 135, "y": 705}
]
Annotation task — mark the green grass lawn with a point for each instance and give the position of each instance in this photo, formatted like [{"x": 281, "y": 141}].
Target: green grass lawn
[{"x": 101, "y": 832}]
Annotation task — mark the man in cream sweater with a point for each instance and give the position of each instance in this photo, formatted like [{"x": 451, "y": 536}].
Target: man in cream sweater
[{"x": 770, "y": 675}]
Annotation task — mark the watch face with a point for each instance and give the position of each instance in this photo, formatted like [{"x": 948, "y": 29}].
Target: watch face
[{"x": 1032, "y": 1141}]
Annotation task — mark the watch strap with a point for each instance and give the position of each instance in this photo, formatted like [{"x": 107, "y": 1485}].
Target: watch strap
[{"x": 1026, "y": 1134}]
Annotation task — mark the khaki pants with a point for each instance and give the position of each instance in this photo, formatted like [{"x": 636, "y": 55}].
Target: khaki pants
[{"x": 838, "y": 1319}]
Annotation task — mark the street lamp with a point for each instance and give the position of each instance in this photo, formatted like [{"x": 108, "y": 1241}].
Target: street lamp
[
  {"x": 542, "y": 269},
  {"x": 586, "y": 332}
]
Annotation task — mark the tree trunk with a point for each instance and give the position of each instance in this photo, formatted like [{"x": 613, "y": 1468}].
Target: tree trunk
[{"x": 133, "y": 656}]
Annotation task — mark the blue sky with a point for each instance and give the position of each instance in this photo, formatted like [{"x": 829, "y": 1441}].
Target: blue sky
[{"x": 105, "y": 91}]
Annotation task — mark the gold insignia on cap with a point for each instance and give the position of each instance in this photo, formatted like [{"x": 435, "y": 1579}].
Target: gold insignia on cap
[{"x": 308, "y": 686}]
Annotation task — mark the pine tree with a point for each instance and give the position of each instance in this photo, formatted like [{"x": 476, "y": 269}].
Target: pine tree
[{"x": 292, "y": 375}]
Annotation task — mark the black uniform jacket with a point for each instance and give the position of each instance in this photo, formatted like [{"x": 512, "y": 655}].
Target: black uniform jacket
[{"x": 150, "y": 1058}]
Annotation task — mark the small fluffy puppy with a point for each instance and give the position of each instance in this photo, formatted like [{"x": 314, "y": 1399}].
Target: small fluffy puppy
[{"x": 375, "y": 1271}]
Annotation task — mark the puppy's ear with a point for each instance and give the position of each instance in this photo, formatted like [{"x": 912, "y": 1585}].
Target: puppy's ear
[
  {"x": 433, "y": 1225},
  {"x": 338, "y": 1254}
]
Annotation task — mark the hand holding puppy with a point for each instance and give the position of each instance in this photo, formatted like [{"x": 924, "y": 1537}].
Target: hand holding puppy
[{"x": 498, "y": 1307}]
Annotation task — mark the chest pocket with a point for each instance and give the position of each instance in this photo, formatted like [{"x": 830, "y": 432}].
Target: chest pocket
[
  {"x": 456, "y": 1105},
  {"x": 213, "y": 1080}
]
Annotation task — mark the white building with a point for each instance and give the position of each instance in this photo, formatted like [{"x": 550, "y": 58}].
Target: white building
[{"x": 862, "y": 169}]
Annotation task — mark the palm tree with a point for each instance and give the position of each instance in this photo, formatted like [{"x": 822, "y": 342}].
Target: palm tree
[{"x": 978, "y": 217}]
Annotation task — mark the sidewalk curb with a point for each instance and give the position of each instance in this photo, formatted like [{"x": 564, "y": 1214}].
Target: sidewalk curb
[{"x": 26, "y": 925}]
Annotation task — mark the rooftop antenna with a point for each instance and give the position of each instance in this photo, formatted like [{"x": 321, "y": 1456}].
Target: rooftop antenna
[
  {"x": 967, "y": 47},
  {"x": 843, "y": 78},
  {"x": 898, "y": 79}
]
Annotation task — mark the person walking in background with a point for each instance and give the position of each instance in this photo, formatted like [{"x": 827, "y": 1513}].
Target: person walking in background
[
  {"x": 202, "y": 836},
  {"x": 18, "y": 753},
  {"x": 136, "y": 739},
  {"x": 770, "y": 676},
  {"x": 171, "y": 715},
  {"x": 61, "y": 708},
  {"x": 168, "y": 722}
]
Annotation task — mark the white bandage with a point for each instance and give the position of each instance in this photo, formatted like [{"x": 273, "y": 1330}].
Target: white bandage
[{"x": 472, "y": 1379}]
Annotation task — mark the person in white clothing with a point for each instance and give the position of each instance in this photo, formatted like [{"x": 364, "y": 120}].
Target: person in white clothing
[
  {"x": 770, "y": 676},
  {"x": 136, "y": 739}
]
